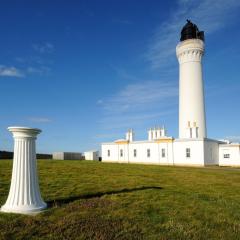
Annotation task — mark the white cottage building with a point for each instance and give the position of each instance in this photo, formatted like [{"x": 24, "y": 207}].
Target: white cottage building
[
  {"x": 193, "y": 147},
  {"x": 92, "y": 155}
]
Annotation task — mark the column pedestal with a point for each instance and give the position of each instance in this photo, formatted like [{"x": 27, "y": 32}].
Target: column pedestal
[{"x": 24, "y": 195}]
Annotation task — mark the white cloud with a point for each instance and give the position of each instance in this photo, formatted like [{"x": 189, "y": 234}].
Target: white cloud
[
  {"x": 136, "y": 120},
  {"x": 34, "y": 60},
  {"x": 10, "y": 72},
  {"x": 44, "y": 47},
  {"x": 137, "y": 103},
  {"x": 40, "y": 120},
  {"x": 15, "y": 72},
  {"x": 233, "y": 138},
  {"x": 139, "y": 96},
  {"x": 42, "y": 70},
  {"x": 38, "y": 64},
  {"x": 209, "y": 15}
]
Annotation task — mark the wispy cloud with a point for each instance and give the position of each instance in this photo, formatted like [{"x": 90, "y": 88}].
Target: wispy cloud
[
  {"x": 38, "y": 63},
  {"x": 10, "y": 72},
  {"x": 39, "y": 120},
  {"x": 210, "y": 16},
  {"x": 15, "y": 72},
  {"x": 136, "y": 103},
  {"x": 133, "y": 120},
  {"x": 139, "y": 96},
  {"x": 233, "y": 138},
  {"x": 42, "y": 70},
  {"x": 34, "y": 60},
  {"x": 44, "y": 47}
]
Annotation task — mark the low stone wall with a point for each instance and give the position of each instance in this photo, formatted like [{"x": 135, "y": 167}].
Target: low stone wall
[{"x": 9, "y": 155}]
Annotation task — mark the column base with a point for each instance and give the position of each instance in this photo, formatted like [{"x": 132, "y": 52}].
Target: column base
[{"x": 29, "y": 210}]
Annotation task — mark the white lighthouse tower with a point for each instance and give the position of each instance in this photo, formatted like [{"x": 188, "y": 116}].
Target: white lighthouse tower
[{"x": 192, "y": 121}]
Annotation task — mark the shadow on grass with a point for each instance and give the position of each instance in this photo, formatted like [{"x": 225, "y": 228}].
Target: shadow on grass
[{"x": 60, "y": 202}]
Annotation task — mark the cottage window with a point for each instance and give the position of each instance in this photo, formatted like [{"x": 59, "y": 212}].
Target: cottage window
[
  {"x": 135, "y": 152},
  {"x": 188, "y": 152},
  {"x": 121, "y": 153},
  {"x": 148, "y": 153},
  {"x": 163, "y": 153}
]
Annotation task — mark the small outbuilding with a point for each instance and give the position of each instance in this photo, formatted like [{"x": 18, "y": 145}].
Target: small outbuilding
[
  {"x": 92, "y": 155},
  {"x": 67, "y": 156},
  {"x": 229, "y": 154}
]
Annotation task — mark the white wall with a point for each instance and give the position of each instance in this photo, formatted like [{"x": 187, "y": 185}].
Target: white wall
[
  {"x": 202, "y": 152},
  {"x": 91, "y": 155},
  {"x": 175, "y": 153},
  {"x": 58, "y": 155},
  {"x": 113, "y": 152},
  {"x": 141, "y": 152},
  {"x": 196, "y": 152},
  {"x": 211, "y": 152},
  {"x": 233, "y": 151}
]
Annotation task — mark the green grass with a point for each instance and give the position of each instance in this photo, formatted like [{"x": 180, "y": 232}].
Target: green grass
[{"x": 91, "y": 200}]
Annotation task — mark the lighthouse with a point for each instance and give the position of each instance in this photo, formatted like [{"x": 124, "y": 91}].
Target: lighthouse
[
  {"x": 193, "y": 147},
  {"x": 192, "y": 120}
]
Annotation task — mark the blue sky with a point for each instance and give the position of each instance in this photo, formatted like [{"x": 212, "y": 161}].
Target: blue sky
[{"x": 86, "y": 71}]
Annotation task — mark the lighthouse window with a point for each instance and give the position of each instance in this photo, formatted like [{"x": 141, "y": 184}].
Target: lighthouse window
[
  {"x": 197, "y": 132},
  {"x": 226, "y": 155},
  {"x": 148, "y": 152},
  {"x": 163, "y": 153},
  {"x": 188, "y": 152},
  {"x": 135, "y": 152},
  {"x": 190, "y": 132},
  {"x": 121, "y": 153},
  {"x": 108, "y": 153}
]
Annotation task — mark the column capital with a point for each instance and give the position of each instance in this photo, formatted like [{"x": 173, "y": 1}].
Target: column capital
[{"x": 24, "y": 132}]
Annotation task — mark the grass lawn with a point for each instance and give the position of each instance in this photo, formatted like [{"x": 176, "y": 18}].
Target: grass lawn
[{"x": 93, "y": 200}]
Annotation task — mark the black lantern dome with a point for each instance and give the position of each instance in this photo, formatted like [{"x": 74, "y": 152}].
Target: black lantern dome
[{"x": 190, "y": 31}]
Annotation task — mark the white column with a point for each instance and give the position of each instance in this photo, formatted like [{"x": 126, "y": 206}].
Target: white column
[
  {"x": 191, "y": 91},
  {"x": 131, "y": 135},
  {"x": 127, "y": 135},
  {"x": 163, "y": 132},
  {"x": 150, "y": 135},
  {"x": 158, "y": 133},
  {"x": 24, "y": 195}
]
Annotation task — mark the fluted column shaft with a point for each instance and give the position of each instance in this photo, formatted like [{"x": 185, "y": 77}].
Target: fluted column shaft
[{"x": 24, "y": 195}]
